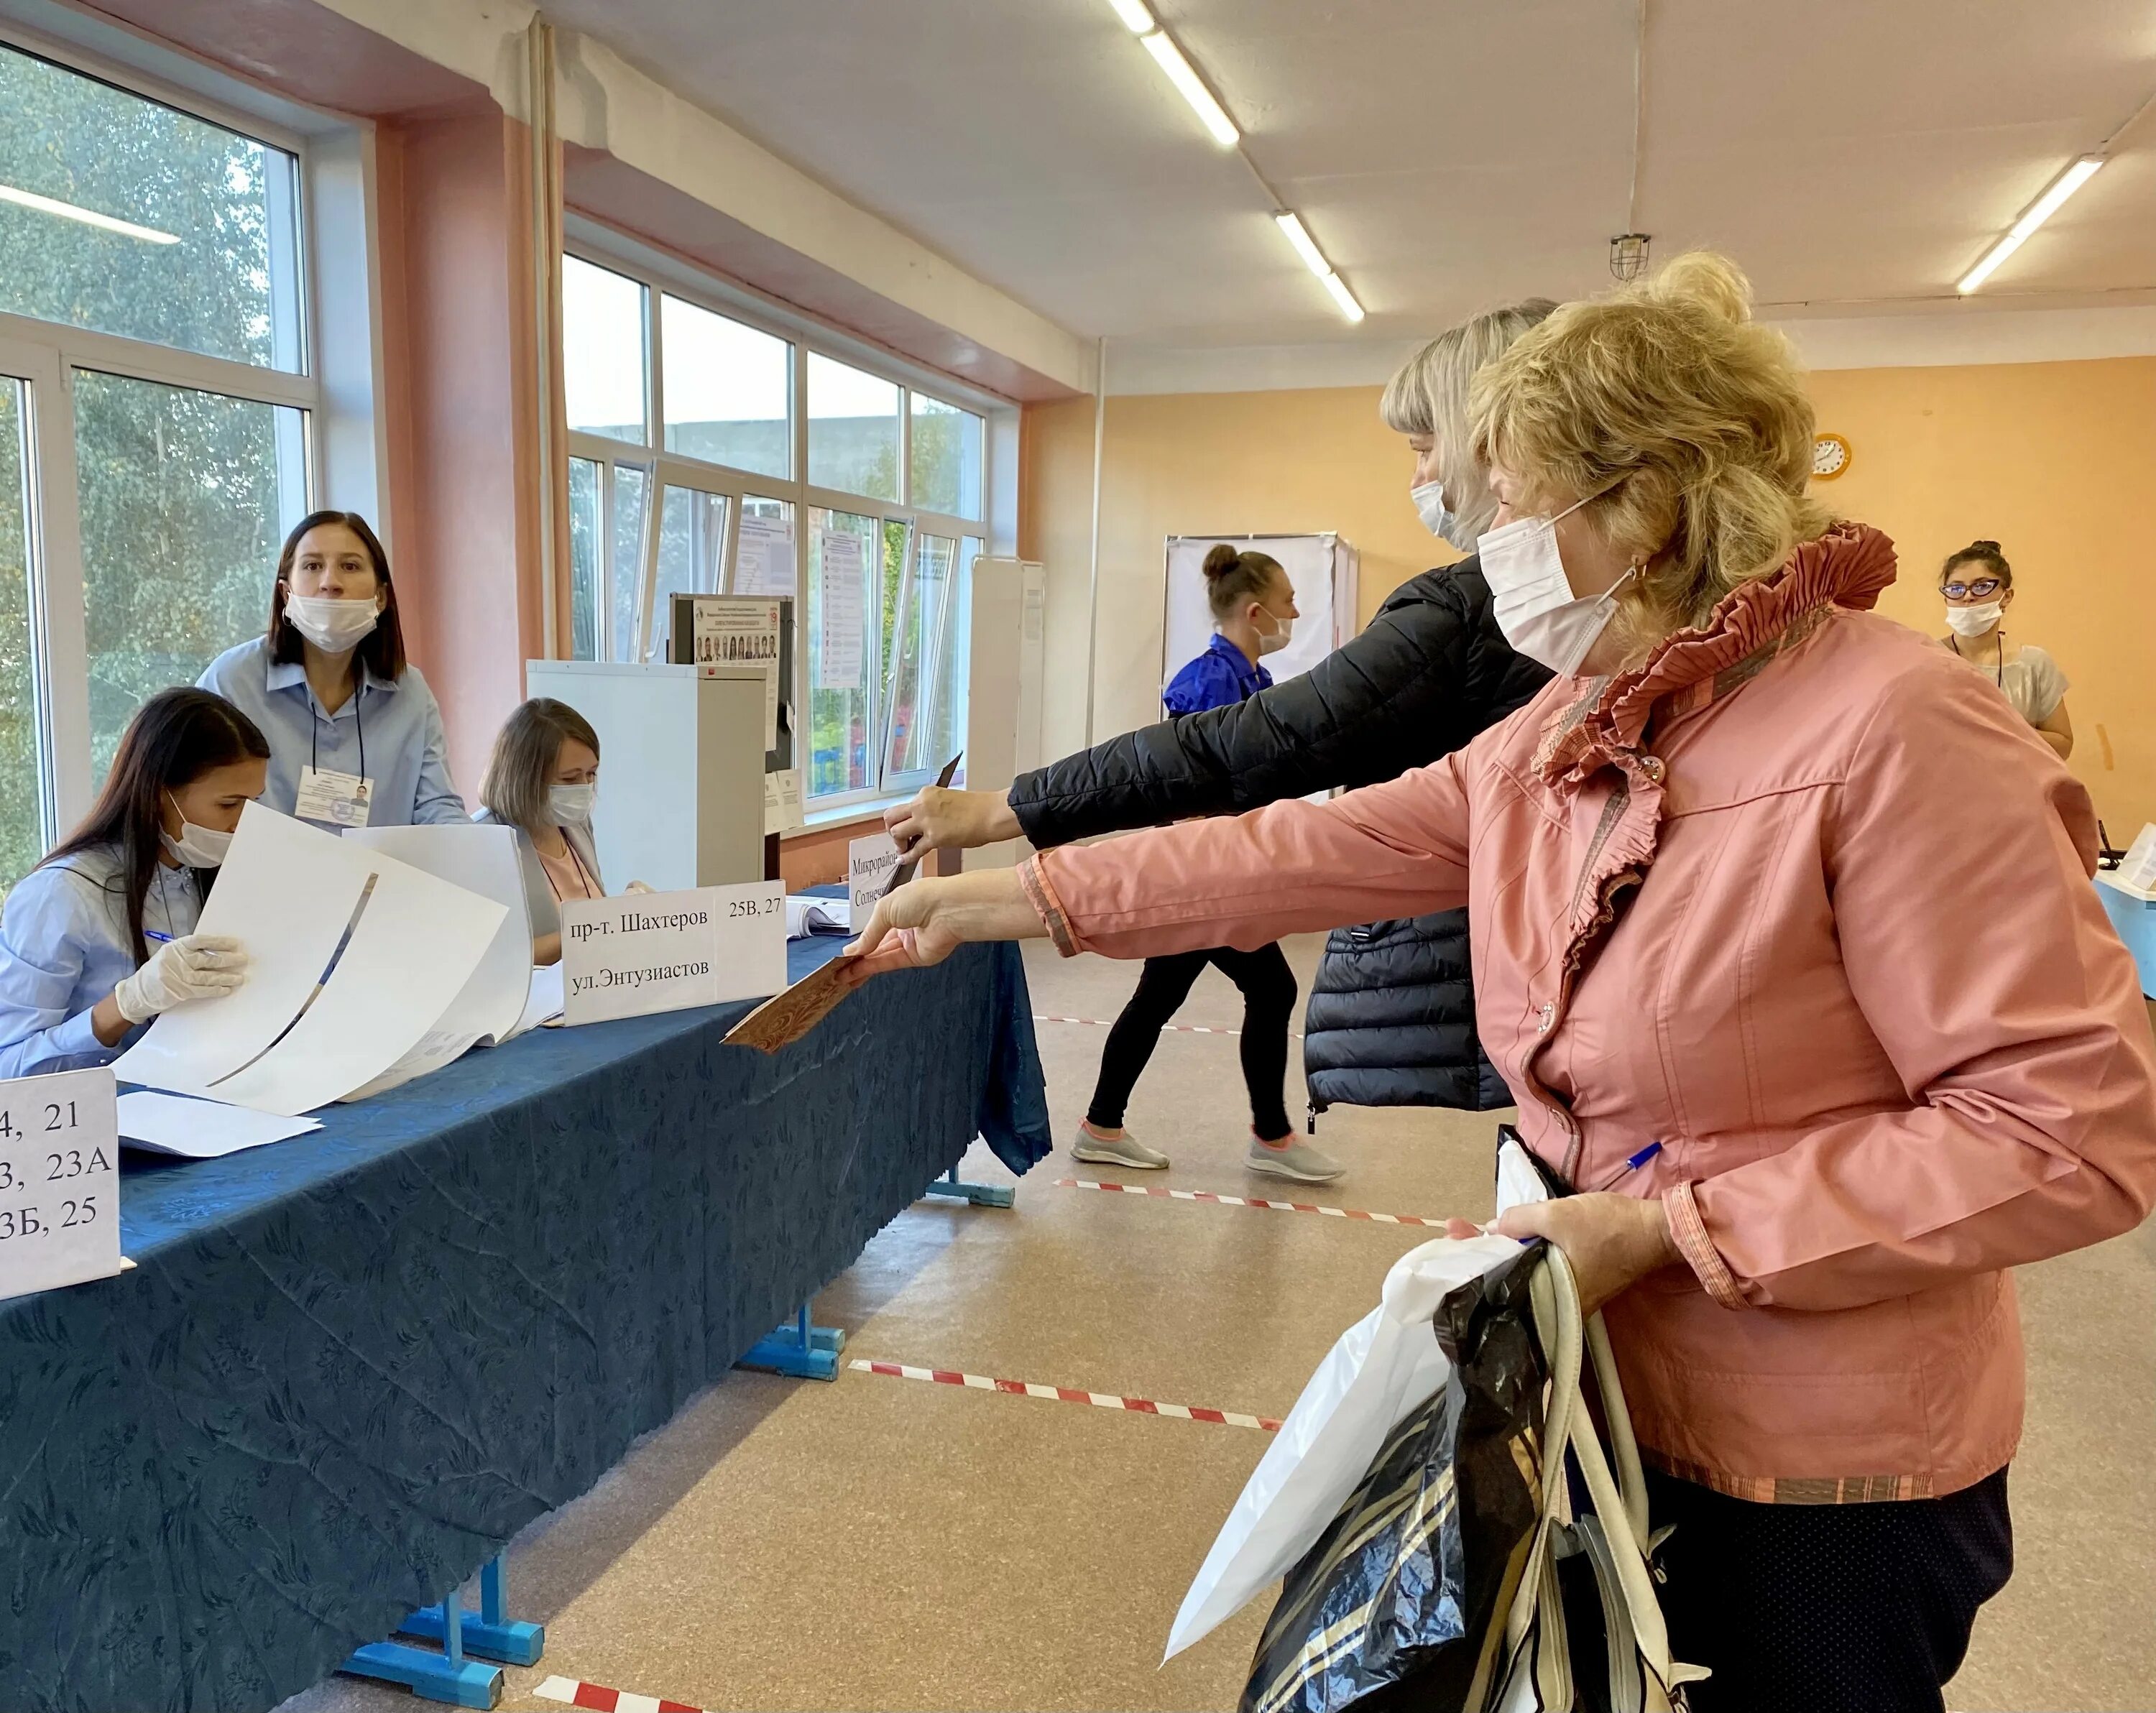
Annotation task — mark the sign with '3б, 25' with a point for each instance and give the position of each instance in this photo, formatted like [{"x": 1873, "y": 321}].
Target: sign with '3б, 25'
[
  {"x": 648, "y": 952},
  {"x": 59, "y": 1181}
]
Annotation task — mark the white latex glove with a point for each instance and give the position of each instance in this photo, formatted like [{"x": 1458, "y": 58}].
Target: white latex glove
[
  {"x": 194, "y": 966},
  {"x": 639, "y": 887}
]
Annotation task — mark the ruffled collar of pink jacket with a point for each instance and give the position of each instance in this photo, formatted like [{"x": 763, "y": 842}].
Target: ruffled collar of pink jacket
[{"x": 1847, "y": 567}]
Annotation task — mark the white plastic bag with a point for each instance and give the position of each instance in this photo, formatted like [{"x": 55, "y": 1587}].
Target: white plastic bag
[{"x": 1385, "y": 1365}]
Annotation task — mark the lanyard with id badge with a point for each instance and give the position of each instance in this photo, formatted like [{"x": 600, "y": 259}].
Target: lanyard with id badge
[{"x": 336, "y": 799}]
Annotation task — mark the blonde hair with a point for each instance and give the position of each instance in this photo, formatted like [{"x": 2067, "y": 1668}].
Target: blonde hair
[
  {"x": 525, "y": 751},
  {"x": 1428, "y": 395},
  {"x": 1687, "y": 418}
]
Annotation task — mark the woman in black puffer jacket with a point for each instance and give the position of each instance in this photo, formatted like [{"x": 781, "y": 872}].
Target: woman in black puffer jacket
[{"x": 1392, "y": 1016}]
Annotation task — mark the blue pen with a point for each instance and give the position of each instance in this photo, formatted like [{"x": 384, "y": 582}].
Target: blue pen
[
  {"x": 152, "y": 934},
  {"x": 1630, "y": 1166}
]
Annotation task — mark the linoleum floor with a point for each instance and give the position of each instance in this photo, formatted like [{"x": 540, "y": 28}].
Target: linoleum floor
[{"x": 884, "y": 1543}]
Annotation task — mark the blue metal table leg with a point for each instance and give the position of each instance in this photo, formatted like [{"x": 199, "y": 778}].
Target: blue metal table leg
[
  {"x": 447, "y": 1676},
  {"x": 802, "y": 1350},
  {"x": 981, "y": 1195},
  {"x": 492, "y": 1633}
]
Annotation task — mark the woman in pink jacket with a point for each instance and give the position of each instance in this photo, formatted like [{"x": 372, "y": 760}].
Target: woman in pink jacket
[{"x": 1773, "y": 881}]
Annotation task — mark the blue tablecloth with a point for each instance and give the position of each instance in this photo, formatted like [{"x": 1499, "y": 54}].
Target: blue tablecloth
[{"x": 349, "y": 1366}]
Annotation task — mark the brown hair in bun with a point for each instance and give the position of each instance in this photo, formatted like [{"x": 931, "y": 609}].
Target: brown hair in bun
[
  {"x": 1984, "y": 553},
  {"x": 1232, "y": 578}
]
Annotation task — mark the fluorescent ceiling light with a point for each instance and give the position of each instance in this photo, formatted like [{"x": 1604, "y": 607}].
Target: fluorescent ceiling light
[
  {"x": 1169, "y": 57},
  {"x": 2046, "y": 205},
  {"x": 1313, "y": 257},
  {"x": 1136, "y": 19},
  {"x": 1345, "y": 298},
  {"x": 89, "y": 217}
]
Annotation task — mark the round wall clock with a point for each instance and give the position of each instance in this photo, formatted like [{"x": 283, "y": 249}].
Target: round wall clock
[{"x": 1830, "y": 457}]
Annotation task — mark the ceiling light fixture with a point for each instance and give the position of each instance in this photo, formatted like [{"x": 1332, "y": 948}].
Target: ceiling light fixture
[
  {"x": 2038, "y": 212},
  {"x": 1169, "y": 57},
  {"x": 88, "y": 217},
  {"x": 1296, "y": 233},
  {"x": 1136, "y": 19}
]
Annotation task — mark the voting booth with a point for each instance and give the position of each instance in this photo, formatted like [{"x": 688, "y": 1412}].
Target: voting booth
[
  {"x": 1325, "y": 569},
  {"x": 681, "y": 767},
  {"x": 1006, "y": 667}
]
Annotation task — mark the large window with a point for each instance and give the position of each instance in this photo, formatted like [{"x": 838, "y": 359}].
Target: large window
[
  {"x": 775, "y": 469},
  {"x": 156, "y": 405}
]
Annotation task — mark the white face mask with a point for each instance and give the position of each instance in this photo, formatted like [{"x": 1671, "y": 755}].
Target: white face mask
[
  {"x": 1429, "y": 506},
  {"x": 1974, "y": 620},
  {"x": 196, "y": 847},
  {"x": 1271, "y": 641},
  {"x": 334, "y": 627},
  {"x": 1532, "y": 599},
  {"x": 571, "y": 805}
]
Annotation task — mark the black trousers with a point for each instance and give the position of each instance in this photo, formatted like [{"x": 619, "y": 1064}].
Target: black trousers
[
  {"x": 1268, "y": 985},
  {"x": 1827, "y": 1608}
]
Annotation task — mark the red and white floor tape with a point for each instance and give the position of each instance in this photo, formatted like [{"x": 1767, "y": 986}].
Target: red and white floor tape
[
  {"x": 571, "y": 1693},
  {"x": 1148, "y": 1189},
  {"x": 1095, "y": 1022},
  {"x": 1064, "y": 1394}
]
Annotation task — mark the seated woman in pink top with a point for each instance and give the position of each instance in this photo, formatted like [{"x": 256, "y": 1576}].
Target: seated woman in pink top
[{"x": 1718, "y": 874}]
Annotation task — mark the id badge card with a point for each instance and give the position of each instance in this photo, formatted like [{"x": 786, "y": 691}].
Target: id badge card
[{"x": 339, "y": 799}]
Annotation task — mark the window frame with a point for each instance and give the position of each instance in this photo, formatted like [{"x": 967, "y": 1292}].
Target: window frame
[
  {"x": 662, "y": 275},
  {"x": 56, "y": 351}
]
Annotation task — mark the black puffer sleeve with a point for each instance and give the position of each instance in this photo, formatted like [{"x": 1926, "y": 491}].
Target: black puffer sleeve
[{"x": 1418, "y": 682}]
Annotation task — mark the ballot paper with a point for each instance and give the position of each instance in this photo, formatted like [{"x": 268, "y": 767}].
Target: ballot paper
[
  {"x": 200, "y": 1129},
  {"x": 353, "y": 957},
  {"x": 763, "y": 556},
  {"x": 785, "y": 1018},
  {"x": 484, "y": 860},
  {"x": 806, "y": 915}
]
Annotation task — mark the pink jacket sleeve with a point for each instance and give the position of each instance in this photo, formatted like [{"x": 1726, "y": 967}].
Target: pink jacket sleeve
[
  {"x": 1398, "y": 849},
  {"x": 1958, "y": 862}
]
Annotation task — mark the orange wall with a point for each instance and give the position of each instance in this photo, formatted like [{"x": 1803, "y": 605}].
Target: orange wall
[
  {"x": 1193, "y": 464},
  {"x": 2053, "y": 460}
]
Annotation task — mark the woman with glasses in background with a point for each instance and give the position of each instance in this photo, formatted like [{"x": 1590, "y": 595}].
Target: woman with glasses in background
[{"x": 1977, "y": 584}]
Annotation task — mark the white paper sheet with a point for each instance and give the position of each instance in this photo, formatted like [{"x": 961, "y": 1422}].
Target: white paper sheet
[
  {"x": 412, "y": 950},
  {"x": 484, "y": 860},
  {"x": 286, "y": 893},
  {"x": 764, "y": 557},
  {"x": 840, "y": 655},
  {"x": 545, "y": 1003},
  {"x": 807, "y": 916},
  {"x": 200, "y": 1130}
]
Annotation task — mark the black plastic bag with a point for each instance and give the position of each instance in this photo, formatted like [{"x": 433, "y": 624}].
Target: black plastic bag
[{"x": 1394, "y": 1605}]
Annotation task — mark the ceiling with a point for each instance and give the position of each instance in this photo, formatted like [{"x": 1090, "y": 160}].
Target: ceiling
[{"x": 1853, "y": 157}]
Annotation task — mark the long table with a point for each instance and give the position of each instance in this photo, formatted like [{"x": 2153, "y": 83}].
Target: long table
[{"x": 348, "y": 1368}]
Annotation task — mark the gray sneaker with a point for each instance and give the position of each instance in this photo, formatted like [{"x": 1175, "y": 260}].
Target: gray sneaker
[
  {"x": 1298, "y": 1160},
  {"x": 1125, "y": 1150}
]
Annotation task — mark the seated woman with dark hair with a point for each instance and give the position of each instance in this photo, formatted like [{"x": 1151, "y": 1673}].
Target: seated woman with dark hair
[{"x": 99, "y": 937}]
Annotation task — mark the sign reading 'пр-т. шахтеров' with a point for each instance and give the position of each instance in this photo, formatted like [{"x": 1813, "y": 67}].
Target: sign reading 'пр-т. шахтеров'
[{"x": 651, "y": 952}]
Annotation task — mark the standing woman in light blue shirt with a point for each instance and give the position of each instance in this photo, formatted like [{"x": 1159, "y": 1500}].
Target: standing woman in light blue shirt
[
  {"x": 99, "y": 937},
  {"x": 355, "y": 735}
]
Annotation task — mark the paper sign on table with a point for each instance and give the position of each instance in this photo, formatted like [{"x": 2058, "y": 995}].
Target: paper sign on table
[
  {"x": 870, "y": 863},
  {"x": 654, "y": 951},
  {"x": 59, "y": 1181},
  {"x": 200, "y": 1130}
]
